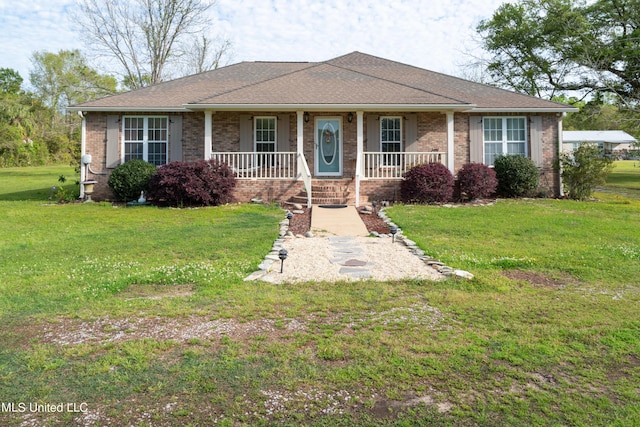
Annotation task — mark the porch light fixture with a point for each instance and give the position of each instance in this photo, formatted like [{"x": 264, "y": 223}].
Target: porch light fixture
[
  {"x": 393, "y": 229},
  {"x": 350, "y": 117},
  {"x": 282, "y": 255},
  {"x": 306, "y": 117}
]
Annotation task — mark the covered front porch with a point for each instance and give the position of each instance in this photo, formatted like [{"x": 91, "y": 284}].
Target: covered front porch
[
  {"x": 292, "y": 166},
  {"x": 330, "y": 150}
]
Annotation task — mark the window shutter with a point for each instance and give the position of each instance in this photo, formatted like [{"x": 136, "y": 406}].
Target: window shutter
[
  {"x": 373, "y": 133},
  {"x": 411, "y": 133},
  {"x": 536, "y": 140},
  {"x": 283, "y": 133},
  {"x": 476, "y": 139},
  {"x": 175, "y": 138},
  {"x": 113, "y": 141},
  {"x": 246, "y": 133}
]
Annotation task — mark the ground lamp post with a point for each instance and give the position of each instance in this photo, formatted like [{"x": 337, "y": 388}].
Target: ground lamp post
[
  {"x": 374, "y": 204},
  {"x": 282, "y": 255},
  {"x": 289, "y": 216},
  {"x": 393, "y": 229}
]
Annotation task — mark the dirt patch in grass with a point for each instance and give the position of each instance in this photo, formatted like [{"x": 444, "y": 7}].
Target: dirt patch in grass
[
  {"x": 65, "y": 331},
  {"x": 105, "y": 329},
  {"x": 156, "y": 291},
  {"x": 385, "y": 408},
  {"x": 538, "y": 279}
]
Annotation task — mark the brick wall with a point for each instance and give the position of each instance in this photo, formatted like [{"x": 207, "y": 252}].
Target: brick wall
[
  {"x": 549, "y": 180},
  {"x": 96, "y": 145},
  {"x": 379, "y": 190},
  {"x": 192, "y": 137},
  {"x": 432, "y": 132},
  {"x": 267, "y": 190},
  {"x": 432, "y": 136}
]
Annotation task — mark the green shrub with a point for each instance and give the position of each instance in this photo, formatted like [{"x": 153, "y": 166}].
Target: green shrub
[
  {"x": 428, "y": 183},
  {"x": 583, "y": 170},
  {"x": 517, "y": 176},
  {"x": 202, "y": 183},
  {"x": 129, "y": 179},
  {"x": 476, "y": 181}
]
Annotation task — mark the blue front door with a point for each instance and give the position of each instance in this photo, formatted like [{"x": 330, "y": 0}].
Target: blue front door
[{"x": 328, "y": 140}]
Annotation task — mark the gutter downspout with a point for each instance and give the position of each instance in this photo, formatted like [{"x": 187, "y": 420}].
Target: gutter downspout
[
  {"x": 83, "y": 149},
  {"x": 560, "y": 142}
]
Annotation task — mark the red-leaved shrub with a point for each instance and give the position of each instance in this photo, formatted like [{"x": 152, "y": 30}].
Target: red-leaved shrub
[
  {"x": 476, "y": 181},
  {"x": 203, "y": 183},
  {"x": 428, "y": 183}
]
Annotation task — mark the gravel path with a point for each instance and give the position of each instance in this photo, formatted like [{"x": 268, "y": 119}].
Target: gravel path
[{"x": 348, "y": 258}]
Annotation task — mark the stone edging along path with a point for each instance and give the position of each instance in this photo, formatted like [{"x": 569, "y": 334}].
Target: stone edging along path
[{"x": 271, "y": 262}]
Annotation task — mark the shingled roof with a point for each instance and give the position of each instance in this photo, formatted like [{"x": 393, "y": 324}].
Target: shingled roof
[{"x": 352, "y": 81}]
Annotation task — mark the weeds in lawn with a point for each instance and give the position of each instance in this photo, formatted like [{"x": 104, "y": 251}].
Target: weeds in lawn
[{"x": 143, "y": 315}]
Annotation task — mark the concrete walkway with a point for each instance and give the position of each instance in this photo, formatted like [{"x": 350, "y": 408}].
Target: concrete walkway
[{"x": 337, "y": 222}]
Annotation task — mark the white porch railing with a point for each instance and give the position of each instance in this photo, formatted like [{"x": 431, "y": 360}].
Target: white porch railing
[
  {"x": 252, "y": 165},
  {"x": 305, "y": 174},
  {"x": 378, "y": 165}
]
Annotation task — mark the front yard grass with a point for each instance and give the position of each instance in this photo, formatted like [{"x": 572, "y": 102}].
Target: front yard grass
[
  {"x": 624, "y": 179},
  {"x": 34, "y": 183},
  {"x": 142, "y": 314}
]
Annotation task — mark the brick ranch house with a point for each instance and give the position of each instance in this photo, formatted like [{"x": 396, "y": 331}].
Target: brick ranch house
[{"x": 346, "y": 129}]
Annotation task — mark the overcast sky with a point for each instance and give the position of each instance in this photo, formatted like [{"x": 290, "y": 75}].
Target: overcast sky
[{"x": 431, "y": 34}]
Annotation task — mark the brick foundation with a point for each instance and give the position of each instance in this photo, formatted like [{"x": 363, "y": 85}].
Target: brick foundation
[{"x": 270, "y": 191}]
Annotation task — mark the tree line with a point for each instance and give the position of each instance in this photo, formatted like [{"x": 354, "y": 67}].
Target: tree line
[
  {"x": 34, "y": 126},
  {"x": 135, "y": 43},
  {"x": 582, "y": 52}
]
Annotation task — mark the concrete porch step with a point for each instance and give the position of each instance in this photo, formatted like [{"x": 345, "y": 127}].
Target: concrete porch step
[
  {"x": 327, "y": 192},
  {"x": 302, "y": 200}
]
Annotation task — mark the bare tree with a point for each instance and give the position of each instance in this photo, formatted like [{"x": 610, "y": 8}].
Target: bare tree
[
  {"x": 148, "y": 38},
  {"x": 205, "y": 54}
]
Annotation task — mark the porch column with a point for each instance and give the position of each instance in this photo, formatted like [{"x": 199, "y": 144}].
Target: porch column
[
  {"x": 300, "y": 132},
  {"x": 208, "y": 134},
  {"x": 359, "y": 153},
  {"x": 299, "y": 141},
  {"x": 450, "y": 139},
  {"x": 303, "y": 168}
]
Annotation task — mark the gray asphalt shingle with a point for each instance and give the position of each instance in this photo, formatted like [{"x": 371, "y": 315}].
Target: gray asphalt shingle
[{"x": 353, "y": 79}]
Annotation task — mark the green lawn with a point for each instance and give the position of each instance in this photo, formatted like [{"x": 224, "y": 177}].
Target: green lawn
[
  {"x": 142, "y": 315},
  {"x": 624, "y": 180},
  {"x": 34, "y": 183}
]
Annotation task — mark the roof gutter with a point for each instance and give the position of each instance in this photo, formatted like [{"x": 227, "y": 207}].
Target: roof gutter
[
  {"x": 559, "y": 109},
  {"x": 329, "y": 107},
  {"x": 471, "y": 108},
  {"x": 130, "y": 109}
]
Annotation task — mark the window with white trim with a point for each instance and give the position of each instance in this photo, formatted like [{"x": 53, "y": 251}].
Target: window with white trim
[
  {"x": 146, "y": 138},
  {"x": 265, "y": 139},
  {"x": 391, "y": 140},
  {"x": 504, "y": 135}
]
